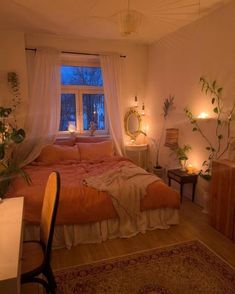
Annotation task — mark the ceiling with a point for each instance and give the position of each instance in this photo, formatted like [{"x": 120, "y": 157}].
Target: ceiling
[{"x": 99, "y": 18}]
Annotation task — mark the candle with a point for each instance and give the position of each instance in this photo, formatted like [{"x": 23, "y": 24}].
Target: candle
[{"x": 190, "y": 169}]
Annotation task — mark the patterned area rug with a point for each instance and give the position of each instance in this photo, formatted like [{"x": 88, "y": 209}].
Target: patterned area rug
[{"x": 188, "y": 267}]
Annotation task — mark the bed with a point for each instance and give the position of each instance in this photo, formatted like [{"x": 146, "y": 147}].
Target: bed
[{"x": 88, "y": 214}]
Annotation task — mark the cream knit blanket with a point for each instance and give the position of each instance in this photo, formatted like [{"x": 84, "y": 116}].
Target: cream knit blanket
[{"x": 126, "y": 185}]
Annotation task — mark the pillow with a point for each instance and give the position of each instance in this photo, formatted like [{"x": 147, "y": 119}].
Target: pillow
[
  {"x": 91, "y": 139},
  {"x": 94, "y": 151},
  {"x": 67, "y": 142},
  {"x": 57, "y": 153}
]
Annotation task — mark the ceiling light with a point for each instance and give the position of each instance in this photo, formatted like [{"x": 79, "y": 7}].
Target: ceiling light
[{"x": 129, "y": 21}]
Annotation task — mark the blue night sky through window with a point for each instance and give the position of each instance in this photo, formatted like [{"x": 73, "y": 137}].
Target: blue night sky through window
[
  {"x": 93, "y": 108},
  {"x": 81, "y": 75}
]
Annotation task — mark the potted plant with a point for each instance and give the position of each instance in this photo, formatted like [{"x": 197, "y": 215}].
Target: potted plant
[
  {"x": 10, "y": 135},
  {"x": 181, "y": 153},
  {"x": 168, "y": 106}
]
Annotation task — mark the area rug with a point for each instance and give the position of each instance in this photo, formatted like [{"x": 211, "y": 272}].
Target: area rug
[{"x": 188, "y": 267}]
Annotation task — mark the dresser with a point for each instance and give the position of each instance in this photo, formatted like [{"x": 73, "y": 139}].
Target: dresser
[{"x": 222, "y": 197}]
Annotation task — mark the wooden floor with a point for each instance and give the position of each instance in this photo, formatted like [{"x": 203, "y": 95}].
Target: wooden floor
[{"x": 193, "y": 225}]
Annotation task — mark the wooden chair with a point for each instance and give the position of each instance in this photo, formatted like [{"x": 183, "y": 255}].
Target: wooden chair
[{"x": 36, "y": 254}]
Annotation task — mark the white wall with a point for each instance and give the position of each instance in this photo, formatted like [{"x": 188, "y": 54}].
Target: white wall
[
  {"x": 12, "y": 59},
  {"x": 135, "y": 65},
  {"x": 175, "y": 64}
]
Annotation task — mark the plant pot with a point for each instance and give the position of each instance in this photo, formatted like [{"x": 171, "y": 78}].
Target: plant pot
[{"x": 159, "y": 171}]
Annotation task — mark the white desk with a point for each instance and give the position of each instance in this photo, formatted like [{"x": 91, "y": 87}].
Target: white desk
[{"x": 11, "y": 218}]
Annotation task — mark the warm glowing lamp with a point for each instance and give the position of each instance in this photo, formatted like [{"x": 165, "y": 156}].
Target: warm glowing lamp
[
  {"x": 203, "y": 115},
  {"x": 190, "y": 168}
]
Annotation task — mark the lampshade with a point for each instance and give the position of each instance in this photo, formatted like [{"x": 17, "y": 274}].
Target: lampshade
[
  {"x": 172, "y": 138},
  {"x": 129, "y": 22}
]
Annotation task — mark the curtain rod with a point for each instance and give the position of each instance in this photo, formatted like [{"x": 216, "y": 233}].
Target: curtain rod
[{"x": 71, "y": 52}]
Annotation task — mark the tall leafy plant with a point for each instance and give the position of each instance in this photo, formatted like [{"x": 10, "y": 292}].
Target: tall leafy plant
[
  {"x": 168, "y": 106},
  {"x": 215, "y": 150}
]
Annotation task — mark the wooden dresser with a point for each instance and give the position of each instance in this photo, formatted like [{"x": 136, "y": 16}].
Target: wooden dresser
[{"x": 222, "y": 197}]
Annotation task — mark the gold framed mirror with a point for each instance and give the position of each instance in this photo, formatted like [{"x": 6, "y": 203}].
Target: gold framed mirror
[{"x": 132, "y": 123}]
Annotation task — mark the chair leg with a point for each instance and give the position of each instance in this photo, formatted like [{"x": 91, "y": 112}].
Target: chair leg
[
  {"x": 50, "y": 278},
  {"x": 37, "y": 280}
]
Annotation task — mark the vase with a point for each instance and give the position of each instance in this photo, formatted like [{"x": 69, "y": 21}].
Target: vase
[{"x": 183, "y": 164}]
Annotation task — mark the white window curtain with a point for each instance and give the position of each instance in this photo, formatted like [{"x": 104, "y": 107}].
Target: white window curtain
[
  {"x": 111, "y": 71},
  {"x": 43, "y": 113}
]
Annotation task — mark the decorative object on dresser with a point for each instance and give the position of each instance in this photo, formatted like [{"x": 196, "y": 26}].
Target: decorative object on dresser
[
  {"x": 182, "y": 177},
  {"x": 222, "y": 197}
]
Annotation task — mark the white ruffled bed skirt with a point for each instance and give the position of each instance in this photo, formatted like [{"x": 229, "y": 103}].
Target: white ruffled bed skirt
[{"x": 72, "y": 235}]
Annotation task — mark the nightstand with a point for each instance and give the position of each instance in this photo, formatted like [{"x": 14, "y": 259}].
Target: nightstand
[
  {"x": 182, "y": 177},
  {"x": 137, "y": 153}
]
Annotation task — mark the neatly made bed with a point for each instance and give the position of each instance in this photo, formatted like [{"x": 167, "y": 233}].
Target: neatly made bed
[{"x": 85, "y": 214}]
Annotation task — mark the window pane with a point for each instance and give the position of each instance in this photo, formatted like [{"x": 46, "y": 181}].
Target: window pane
[
  {"x": 93, "y": 110},
  {"x": 81, "y": 75},
  {"x": 68, "y": 111}
]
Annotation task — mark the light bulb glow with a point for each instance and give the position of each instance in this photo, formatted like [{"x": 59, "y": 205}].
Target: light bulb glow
[{"x": 203, "y": 115}]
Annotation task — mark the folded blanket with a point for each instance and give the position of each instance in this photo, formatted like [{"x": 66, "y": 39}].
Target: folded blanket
[{"x": 126, "y": 186}]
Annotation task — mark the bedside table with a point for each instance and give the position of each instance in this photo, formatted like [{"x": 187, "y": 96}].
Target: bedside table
[
  {"x": 182, "y": 177},
  {"x": 137, "y": 153}
]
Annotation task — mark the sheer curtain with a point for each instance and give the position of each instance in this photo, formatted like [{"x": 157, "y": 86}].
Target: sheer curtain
[
  {"x": 111, "y": 71},
  {"x": 43, "y": 113}
]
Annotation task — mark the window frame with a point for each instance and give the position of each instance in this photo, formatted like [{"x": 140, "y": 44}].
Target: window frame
[{"x": 79, "y": 90}]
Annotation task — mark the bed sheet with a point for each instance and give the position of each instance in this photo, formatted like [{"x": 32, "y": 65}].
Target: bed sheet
[{"x": 79, "y": 203}]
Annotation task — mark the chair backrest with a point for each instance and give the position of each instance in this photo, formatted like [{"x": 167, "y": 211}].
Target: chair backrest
[{"x": 49, "y": 211}]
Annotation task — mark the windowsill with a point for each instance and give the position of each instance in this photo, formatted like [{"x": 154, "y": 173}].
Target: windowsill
[{"x": 68, "y": 135}]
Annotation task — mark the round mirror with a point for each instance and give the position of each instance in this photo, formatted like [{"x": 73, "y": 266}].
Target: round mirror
[{"x": 132, "y": 123}]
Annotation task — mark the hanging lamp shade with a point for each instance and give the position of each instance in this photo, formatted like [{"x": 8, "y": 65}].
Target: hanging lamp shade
[{"x": 129, "y": 22}]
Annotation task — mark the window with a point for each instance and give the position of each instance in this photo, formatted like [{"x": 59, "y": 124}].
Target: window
[{"x": 82, "y": 98}]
